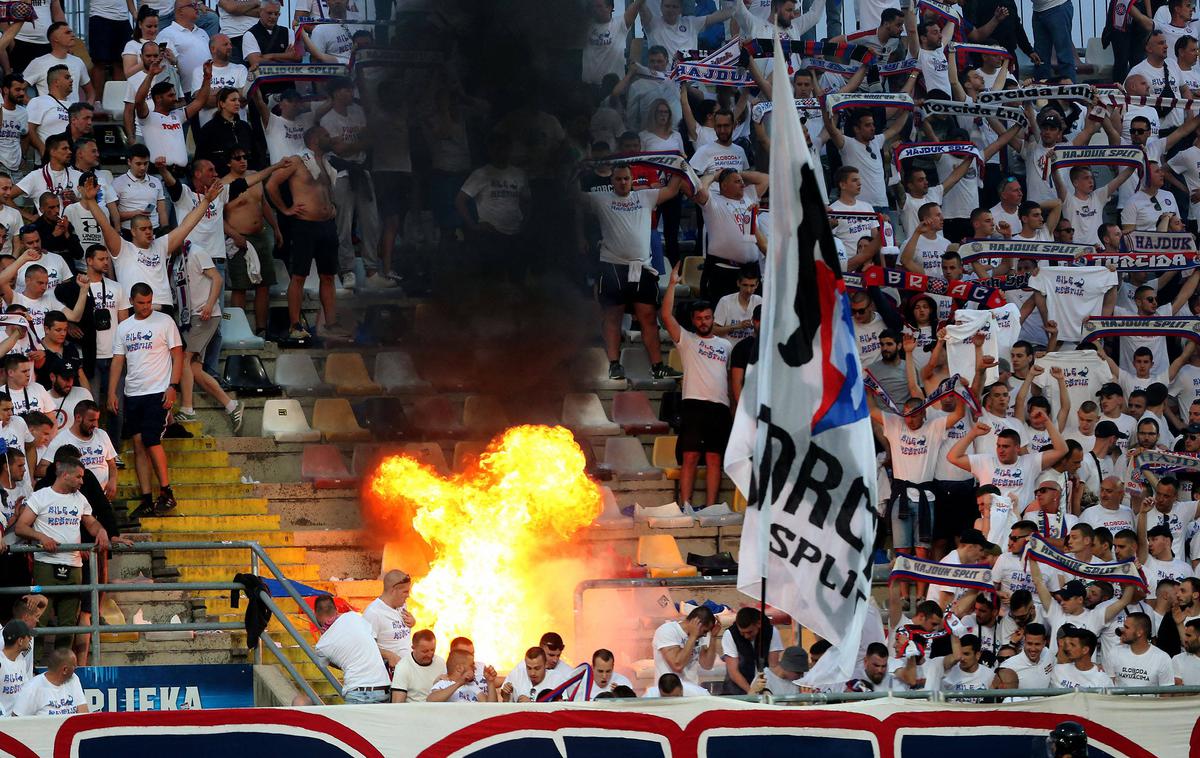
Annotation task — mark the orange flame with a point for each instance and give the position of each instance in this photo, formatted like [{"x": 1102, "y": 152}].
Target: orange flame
[{"x": 487, "y": 534}]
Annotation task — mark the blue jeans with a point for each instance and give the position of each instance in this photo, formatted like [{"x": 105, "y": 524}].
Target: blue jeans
[
  {"x": 99, "y": 382},
  {"x": 1052, "y": 30},
  {"x": 833, "y": 20},
  {"x": 365, "y": 697}
]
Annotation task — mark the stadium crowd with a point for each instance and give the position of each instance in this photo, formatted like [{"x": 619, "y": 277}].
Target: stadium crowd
[{"x": 113, "y": 286}]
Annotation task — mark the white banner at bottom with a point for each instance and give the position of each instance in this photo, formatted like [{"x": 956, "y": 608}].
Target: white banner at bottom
[{"x": 665, "y": 728}]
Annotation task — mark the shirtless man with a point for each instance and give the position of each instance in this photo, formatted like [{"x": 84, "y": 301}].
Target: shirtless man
[
  {"x": 249, "y": 218},
  {"x": 310, "y": 178}
]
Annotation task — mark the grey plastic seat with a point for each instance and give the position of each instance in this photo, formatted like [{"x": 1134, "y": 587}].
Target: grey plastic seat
[
  {"x": 395, "y": 372},
  {"x": 584, "y": 413},
  {"x": 626, "y": 459},
  {"x": 297, "y": 374},
  {"x": 637, "y": 371},
  {"x": 589, "y": 370}
]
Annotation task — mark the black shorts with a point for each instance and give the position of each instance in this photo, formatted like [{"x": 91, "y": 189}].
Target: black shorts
[
  {"x": 392, "y": 191},
  {"x": 145, "y": 415},
  {"x": 703, "y": 427},
  {"x": 614, "y": 288},
  {"x": 954, "y": 509},
  {"x": 313, "y": 240},
  {"x": 107, "y": 38}
]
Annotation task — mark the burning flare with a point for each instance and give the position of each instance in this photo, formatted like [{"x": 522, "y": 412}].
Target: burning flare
[{"x": 480, "y": 544}]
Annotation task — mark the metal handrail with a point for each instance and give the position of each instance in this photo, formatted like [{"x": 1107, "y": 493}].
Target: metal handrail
[
  {"x": 820, "y": 698},
  {"x": 257, "y": 553}
]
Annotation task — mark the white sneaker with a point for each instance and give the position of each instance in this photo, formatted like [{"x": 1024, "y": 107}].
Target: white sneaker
[
  {"x": 378, "y": 281},
  {"x": 349, "y": 280}
]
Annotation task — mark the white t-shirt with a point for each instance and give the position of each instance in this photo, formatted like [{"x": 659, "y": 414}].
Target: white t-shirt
[
  {"x": 14, "y": 125},
  {"x": 617, "y": 680},
  {"x": 34, "y": 32},
  {"x": 209, "y": 233},
  {"x": 681, "y": 35},
  {"x": 134, "y": 265},
  {"x": 1091, "y": 619},
  {"x": 727, "y": 226},
  {"x": 958, "y": 680},
  {"x": 286, "y": 137},
  {"x": 497, "y": 193},
  {"x": 235, "y": 25},
  {"x": 929, "y": 255},
  {"x": 851, "y": 230},
  {"x": 1019, "y": 477},
  {"x": 1031, "y": 674},
  {"x": 230, "y": 75},
  {"x": 109, "y": 296},
  {"x": 1128, "y": 669},
  {"x": 671, "y": 634},
  {"x": 94, "y": 453},
  {"x": 391, "y": 633},
  {"x": 1186, "y": 667},
  {"x": 350, "y": 644},
  {"x": 867, "y": 337},
  {"x": 1143, "y": 211},
  {"x": 141, "y": 195},
  {"x": 716, "y": 157},
  {"x": 10, "y": 219},
  {"x": 41, "y": 698},
  {"x": 868, "y": 159},
  {"x": 12, "y": 680},
  {"x": 347, "y": 128},
  {"x": 467, "y": 693},
  {"x": 1113, "y": 520},
  {"x": 705, "y": 367},
  {"x": 38, "y": 68},
  {"x": 523, "y": 687},
  {"x": 417, "y": 680},
  {"x": 1186, "y": 163},
  {"x": 47, "y": 115},
  {"x": 604, "y": 51},
  {"x": 38, "y": 309},
  {"x": 59, "y": 517},
  {"x": 914, "y": 454},
  {"x": 908, "y": 212},
  {"x": 624, "y": 225},
  {"x": 57, "y": 270},
  {"x": 935, "y": 69},
  {"x": 1068, "y": 677},
  {"x": 1086, "y": 215},
  {"x": 46, "y": 179},
  {"x": 1072, "y": 295},
  {"x": 163, "y": 136},
  {"x": 1039, "y": 189},
  {"x": 1157, "y": 570},
  {"x": 729, "y": 311},
  {"x": 146, "y": 344},
  {"x": 333, "y": 39},
  {"x": 32, "y": 397},
  {"x": 1130, "y": 343},
  {"x": 134, "y": 83}
]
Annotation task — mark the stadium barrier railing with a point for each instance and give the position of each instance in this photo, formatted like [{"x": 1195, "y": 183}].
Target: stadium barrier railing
[{"x": 258, "y": 557}]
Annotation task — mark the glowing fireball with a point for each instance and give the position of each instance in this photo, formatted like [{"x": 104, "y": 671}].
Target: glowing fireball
[{"x": 488, "y": 536}]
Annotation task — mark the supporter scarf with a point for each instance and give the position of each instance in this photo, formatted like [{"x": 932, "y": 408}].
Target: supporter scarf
[
  {"x": 1030, "y": 94},
  {"x": 962, "y": 290},
  {"x": 1159, "y": 242},
  {"x": 1113, "y": 96},
  {"x": 1058, "y": 252},
  {"x": 759, "y": 110},
  {"x": 967, "y": 48},
  {"x": 956, "y": 108},
  {"x": 1099, "y": 327},
  {"x": 1120, "y": 572},
  {"x": 725, "y": 55},
  {"x": 1162, "y": 462},
  {"x": 576, "y": 687},
  {"x": 17, "y": 11},
  {"x": 918, "y": 637},
  {"x": 668, "y": 162},
  {"x": 720, "y": 76},
  {"x": 270, "y": 73},
  {"x": 1150, "y": 251},
  {"x": 837, "y": 51},
  {"x": 947, "y": 14},
  {"x": 833, "y": 67},
  {"x": 375, "y": 57},
  {"x": 1124, "y": 156},
  {"x": 906, "y": 66},
  {"x": 971, "y": 576},
  {"x": 948, "y": 386},
  {"x": 841, "y": 101},
  {"x": 906, "y": 150},
  {"x": 1009, "y": 282}
]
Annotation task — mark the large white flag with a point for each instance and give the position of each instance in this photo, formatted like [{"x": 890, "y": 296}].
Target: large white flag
[{"x": 801, "y": 446}]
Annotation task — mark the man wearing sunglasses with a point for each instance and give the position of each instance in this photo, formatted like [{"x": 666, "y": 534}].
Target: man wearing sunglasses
[
  {"x": 1145, "y": 299},
  {"x": 1110, "y": 513}
]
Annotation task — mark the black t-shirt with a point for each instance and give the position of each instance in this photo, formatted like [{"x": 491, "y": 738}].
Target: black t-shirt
[{"x": 744, "y": 353}]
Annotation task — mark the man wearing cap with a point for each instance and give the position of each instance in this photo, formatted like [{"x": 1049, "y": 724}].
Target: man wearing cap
[
  {"x": 1112, "y": 406},
  {"x": 1069, "y": 607},
  {"x": 972, "y": 548},
  {"x": 1156, "y": 554},
  {"x": 1007, "y": 469},
  {"x": 1106, "y": 452},
  {"x": 18, "y": 643},
  {"x": 1145, "y": 301},
  {"x": 1111, "y": 512}
]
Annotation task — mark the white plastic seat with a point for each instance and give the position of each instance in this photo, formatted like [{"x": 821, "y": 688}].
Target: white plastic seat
[
  {"x": 626, "y": 458},
  {"x": 590, "y": 369},
  {"x": 611, "y": 517},
  {"x": 282, "y": 278},
  {"x": 584, "y": 413},
  {"x": 284, "y": 419},
  {"x": 113, "y": 101},
  {"x": 395, "y": 372},
  {"x": 236, "y": 331}
]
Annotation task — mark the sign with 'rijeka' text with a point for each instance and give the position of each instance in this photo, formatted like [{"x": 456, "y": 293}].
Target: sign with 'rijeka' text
[{"x": 167, "y": 688}]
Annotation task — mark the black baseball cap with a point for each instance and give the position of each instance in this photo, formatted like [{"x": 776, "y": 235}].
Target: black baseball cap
[
  {"x": 1073, "y": 588},
  {"x": 1050, "y": 117},
  {"x": 15, "y": 630},
  {"x": 1109, "y": 389},
  {"x": 975, "y": 537},
  {"x": 1109, "y": 429}
]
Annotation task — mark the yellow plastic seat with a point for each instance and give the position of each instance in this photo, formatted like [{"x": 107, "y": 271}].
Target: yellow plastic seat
[
  {"x": 691, "y": 272},
  {"x": 675, "y": 360},
  {"x": 739, "y": 501},
  {"x": 466, "y": 453},
  {"x": 334, "y": 419},
  {"x": 663, "y": 456},
  {"x": 659, "y": 553},
  {"x": 347, "y": 373}
]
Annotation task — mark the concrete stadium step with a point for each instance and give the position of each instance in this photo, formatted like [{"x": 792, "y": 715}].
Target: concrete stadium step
[
  {"x": 188, "y": 475},
  {"x": 198, "y": 459},
  {"x": 223, "y": 506},
  {"x": 195, "y": 444},
  {"x": 209, "y": 524},
  {"x": 225, "y": 573},
  {"x": 196, "y": 491},
  {"x": 264, "y": 538},
  {"x": 222, "y": 557},
  {"x": 205, "y": 647}
]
